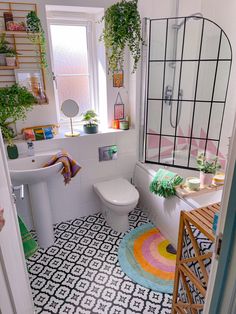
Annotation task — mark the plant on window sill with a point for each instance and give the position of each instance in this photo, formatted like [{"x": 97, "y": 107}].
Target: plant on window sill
[
  {"x": 122, "y": 29},
  {"x": 91, "y": 122}
]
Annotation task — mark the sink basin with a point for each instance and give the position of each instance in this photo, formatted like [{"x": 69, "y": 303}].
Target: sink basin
[
  {"x": 30, "y": 170},
  {"x": 27, "y": 170}
]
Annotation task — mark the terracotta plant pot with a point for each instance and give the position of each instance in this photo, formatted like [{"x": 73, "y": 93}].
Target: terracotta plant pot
[
  {"x": 11, "y": 61},
  {"x": 206, "y": 178}
]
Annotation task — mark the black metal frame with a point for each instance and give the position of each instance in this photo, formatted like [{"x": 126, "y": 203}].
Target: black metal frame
[{"x": 194, "y": 100}]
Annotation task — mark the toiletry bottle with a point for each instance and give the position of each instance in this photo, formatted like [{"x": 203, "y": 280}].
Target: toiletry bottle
[{"x": 30, "y": 145}]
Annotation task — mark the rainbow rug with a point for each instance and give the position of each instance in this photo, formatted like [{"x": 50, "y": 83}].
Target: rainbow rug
[{"x": 148, "y": 258}]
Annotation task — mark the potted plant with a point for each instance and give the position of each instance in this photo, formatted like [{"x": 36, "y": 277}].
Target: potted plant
[
  {"x": 3, "y": 49},
  {"x": 11, "y": 57},
  {"x": 15, "y": 102},
  {"x": 36, "y": 34},
  {"x": 122, "y": 29},
  {"x": 208, "y": 168},
  {"x": 91, "y": 122}
]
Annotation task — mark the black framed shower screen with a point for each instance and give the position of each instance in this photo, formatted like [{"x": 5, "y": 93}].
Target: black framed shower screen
[{"x": 192, "y": 57}]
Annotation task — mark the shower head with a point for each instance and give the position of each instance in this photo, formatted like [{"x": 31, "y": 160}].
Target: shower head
[{"x": 194, "y": 16}]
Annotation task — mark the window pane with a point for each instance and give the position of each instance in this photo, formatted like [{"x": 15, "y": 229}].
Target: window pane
[
  {"x": 69, "y": 45},
  {"x": 76, "y": 88}
]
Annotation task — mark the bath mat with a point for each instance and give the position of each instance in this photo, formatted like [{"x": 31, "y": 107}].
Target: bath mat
[{"x": 148, "y": 258}]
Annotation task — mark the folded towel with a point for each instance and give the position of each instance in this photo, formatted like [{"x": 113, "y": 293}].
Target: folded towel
[
  {"x": 164, "y": 183},
  {"x": 30, "y": 246},
  {"x": 70, "y": 166}
]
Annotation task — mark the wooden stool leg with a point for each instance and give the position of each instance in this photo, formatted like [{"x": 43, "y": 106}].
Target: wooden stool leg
[{"x": 178, "y": 258}]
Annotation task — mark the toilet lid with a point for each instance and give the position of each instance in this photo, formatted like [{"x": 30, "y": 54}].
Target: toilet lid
[{"x": 118, "y": 191}]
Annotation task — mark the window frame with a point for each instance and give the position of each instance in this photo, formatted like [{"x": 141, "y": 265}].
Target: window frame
[{"x": 92, "y": 64}]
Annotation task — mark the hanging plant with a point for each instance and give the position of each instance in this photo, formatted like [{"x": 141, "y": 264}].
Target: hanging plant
[
  {"x": 36, "y": 35},
  {"x": 122, "y": 29}
]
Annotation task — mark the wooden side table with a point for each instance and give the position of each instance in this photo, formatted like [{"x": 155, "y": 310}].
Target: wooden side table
[{"x": 202, "y": 220}]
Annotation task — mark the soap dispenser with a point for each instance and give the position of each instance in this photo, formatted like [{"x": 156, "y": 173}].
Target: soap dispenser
[{"x": 30, "y": 146}]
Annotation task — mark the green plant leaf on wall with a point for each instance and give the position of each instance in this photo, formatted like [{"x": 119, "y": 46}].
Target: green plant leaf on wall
[
  {"x": 122, "y": 29},
  {"x": 15, "y": 102},
  {"x": 36, "y": 34}
]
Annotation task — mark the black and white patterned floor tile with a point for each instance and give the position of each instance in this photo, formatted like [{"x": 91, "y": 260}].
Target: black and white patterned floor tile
[{"x": 80, "y": 273}]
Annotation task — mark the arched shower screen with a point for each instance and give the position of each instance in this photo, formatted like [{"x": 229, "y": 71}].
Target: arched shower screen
[{"x": 186, "y": 68}]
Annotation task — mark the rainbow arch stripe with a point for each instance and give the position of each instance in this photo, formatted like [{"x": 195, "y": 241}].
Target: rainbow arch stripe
[{"x": 143, "y": 257}]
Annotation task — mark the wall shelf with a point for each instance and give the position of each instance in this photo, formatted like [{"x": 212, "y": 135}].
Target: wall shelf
[
  {"x": 30, "y": 53},
  {"x": 25, "y": 33},
  {"x": 6, "y": 67}
]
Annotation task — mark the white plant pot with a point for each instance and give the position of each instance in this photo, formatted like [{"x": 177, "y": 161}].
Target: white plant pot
[
  {"x": 206, "y": 178},
  {"x": 11, "y": 61}
]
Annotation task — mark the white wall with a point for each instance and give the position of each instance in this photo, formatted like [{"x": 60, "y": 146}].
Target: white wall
[{"x": 78, "y": 199}]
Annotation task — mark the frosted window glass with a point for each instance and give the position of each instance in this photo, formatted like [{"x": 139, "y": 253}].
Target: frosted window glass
[
  {"x": 70, "y": 52},
  {"x": 76, "y": 88}
]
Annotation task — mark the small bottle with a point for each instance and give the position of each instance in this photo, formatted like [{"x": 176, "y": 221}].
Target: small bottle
[{"x": 30, "y": 146}]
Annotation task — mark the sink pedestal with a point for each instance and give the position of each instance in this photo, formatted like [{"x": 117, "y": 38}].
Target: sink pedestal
[{"x": 41, "y": 212}]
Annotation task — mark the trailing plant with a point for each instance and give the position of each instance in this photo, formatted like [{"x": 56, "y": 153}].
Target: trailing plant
[
  {"x": 15, "y": 102},
  {"x": 207, "y": 165},
  {"x": 122, "y": 29},
  {"x": 36, "y": 34},
  {"x": 12, "y": 53},
  {"x": 4, "y": 48},
  {"x": 90, "y": 117}
]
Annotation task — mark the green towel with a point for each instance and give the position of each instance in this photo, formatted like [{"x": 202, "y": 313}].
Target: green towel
[
  {"x": 29, "y": 244},
  {"x": 164, "y": 183}
]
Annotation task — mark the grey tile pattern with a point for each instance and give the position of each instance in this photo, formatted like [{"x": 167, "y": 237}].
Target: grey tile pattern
[{"x": 80, "y": 273}]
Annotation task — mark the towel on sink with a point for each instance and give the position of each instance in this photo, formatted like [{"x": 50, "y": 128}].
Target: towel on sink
[
  {"x": 70, "y": 166},
  {"x": 164, "y": 183}
]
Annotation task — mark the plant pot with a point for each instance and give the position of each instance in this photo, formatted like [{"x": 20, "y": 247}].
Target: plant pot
[
  {"x": 91, "y": 128},
  {"x": 12, "y": 151},
  {"x": 2, "y": 59},
  {"x": 11, "y": 61},
  {"x": 206, "y": 178}
]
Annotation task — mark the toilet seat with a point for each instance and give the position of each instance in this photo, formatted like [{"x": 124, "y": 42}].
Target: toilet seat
[{"x": 117, "y": 192}]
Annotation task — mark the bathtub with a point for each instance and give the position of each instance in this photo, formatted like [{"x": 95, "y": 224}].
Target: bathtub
[{"x": 165, "y": 213}]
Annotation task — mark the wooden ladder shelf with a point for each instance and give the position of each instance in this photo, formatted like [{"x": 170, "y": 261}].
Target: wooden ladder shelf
[{"x": 201, "y": 219}]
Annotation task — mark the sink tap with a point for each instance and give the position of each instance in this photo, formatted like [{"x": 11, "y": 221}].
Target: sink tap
[{"x": 30, "y": 146}]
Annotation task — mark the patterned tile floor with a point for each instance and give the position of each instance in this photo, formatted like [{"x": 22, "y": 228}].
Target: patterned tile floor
[{"x": 81, "y": 273}]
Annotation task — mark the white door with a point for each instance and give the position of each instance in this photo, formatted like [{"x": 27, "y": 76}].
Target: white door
[{"x": 15, "y": 292}]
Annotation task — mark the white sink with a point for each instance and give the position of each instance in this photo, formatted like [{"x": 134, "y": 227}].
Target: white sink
[
  {"x": 30, "y": 170},
  {"x": 27, "y": 170}
]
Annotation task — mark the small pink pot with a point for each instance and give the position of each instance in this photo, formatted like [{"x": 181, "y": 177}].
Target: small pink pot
[{"x": 206, "y": 178}]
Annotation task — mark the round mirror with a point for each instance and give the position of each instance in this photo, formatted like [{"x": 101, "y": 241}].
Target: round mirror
[{"x": 70, "y": 108}]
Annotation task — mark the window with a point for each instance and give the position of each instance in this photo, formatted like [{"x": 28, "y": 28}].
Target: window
[{"x": 73, "y": 67}]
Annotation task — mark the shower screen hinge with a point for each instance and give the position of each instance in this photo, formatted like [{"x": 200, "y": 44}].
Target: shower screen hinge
[{"x": 218, "y": 245}]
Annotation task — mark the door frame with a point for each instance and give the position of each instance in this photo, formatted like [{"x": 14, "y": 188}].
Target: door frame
[
  {"x": 221, "y": 285},
  {"x": 12, "y": 261}
]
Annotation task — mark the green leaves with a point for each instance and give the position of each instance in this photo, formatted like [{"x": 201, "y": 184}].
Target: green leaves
[
  {"x": 122, "y": 29},
  {"x": 15, "y": 102},
  {"x": 90, "y": 116},
  {"x": 207, "y": 165},
  {"x": 37, "y": 36}
]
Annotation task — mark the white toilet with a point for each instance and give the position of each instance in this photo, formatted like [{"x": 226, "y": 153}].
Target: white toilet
[{"x": 118, "y": 198}]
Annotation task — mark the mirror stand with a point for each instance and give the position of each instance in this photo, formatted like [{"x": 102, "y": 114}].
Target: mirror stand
[{"x": 72, "y": 133}]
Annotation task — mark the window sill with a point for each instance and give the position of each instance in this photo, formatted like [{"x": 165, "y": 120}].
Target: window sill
[{"x": 62, "y": 131}]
